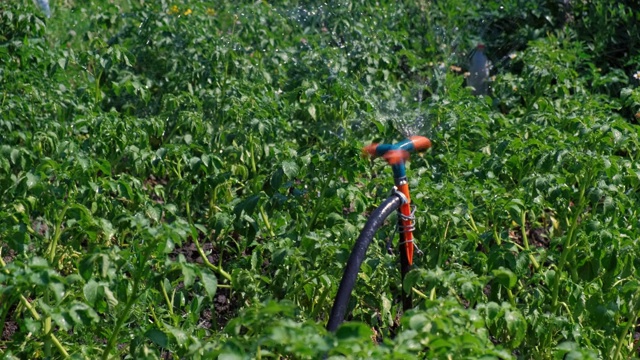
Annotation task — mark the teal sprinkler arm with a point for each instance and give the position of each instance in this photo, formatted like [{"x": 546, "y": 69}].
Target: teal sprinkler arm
[{"x": 397, "y": 154}]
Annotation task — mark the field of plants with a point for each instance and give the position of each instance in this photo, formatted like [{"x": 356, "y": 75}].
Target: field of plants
[{"x": 184, "y": 179}]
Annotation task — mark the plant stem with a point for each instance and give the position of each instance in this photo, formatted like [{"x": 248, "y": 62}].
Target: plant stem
[
  {"x": 263, "y": 214},
  {"x": 630, "y": 322},
  {"x": 166, "y": 298},
  {"x": 51, "y": 255},
  {"x": 57, "y": 344},
  {"x": 525, "y": 241},
  {"x": 98, "y": 92},
  {"x": 155, "y": 317},
  {"x": 316, "y": 209},
  {"x": 188, "y": 210},
  {"x": 139, "y": 271},
  {"x": 37, "y": 316},
  {"x": 51, "y": 251},
  {"x": 432, "y": 294},
  {"x": 511, "y": 298},
  {"x": 473, "y": 224},
  {"x": 124, "y": 315},
  {"x": 566, "y": 249},
  {"x": 135, "y": 293},
  {"x": 253, "y": 156},
  {"x": 441, "y": 246},
  {"x": 46, "y": 327},
  {"x": 496, "y": 237},
  {"x": 206, "y": 261},
  {"x": 459, "y": 133},
  {"x": 419, "y": 293}
]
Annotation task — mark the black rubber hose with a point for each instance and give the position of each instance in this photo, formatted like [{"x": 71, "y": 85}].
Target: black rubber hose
[{"x": 376, "y": 219}]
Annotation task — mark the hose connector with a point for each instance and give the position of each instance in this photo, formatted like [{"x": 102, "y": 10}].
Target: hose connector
[{"x": 401, "y": 195}]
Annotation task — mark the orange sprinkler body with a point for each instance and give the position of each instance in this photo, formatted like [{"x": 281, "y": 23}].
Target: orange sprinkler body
[
  {"x": 397, "y": 155},
  {"x": 406, "y": 222}
]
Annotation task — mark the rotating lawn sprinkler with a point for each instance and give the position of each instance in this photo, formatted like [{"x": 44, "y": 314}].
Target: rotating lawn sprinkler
[{"x": 396, "y": 155}]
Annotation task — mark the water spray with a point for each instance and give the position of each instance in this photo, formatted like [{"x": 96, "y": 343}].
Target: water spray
[{"x": 396, "y": 155}]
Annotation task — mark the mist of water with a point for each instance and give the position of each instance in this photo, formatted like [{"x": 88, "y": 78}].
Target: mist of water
[
  {"x": 405, "y": 112},
  {"x": 407, "y": 109}
]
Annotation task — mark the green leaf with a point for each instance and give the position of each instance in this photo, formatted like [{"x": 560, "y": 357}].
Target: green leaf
[
  {"x": 194, "y": 163},
  {"x": 248, "y": 205},
  {"x": 111, "y": 299},
  {"x": 379, "y": 126},
  {"x": 85, "y": 268},
  {"x": 107, "y": 229},
  {"x": 468, "y": 291},
  {"x": 290, "y": 169},
  {"x": 178, "y": 334},
  {"x": 505, "y": 277},
  {"x": 515, "y": 212},
  {"x": 81, "y": 314},
  {"x": 90, "y": 291},
  {"x": 61, "y": 321},
  {"x": 32, "y": 180},
  {"x": 210, "y": 283},
  {"x": 15, "y": 154},
  {"x": 550, "y": 277},
  {"x": 158, "y": 337},
  {"x": 516, "y": 325},
  {"x": 312, "y": 111},
  {"x": 276, "y": 179},
  {"x": 167, "y": 285},
  {"x": 227, "y": 355},
  {"x": 105, "y": 264},
  {"x": 417, "y": 322},
  {"x": 153, "y": 213},
  {"x": 353, "y": 330},
  {"x": 494, "y": 311},
  {"x": 33, "y": 326},
  {"x": 608, "y": 204},
  {"x": 57, "y": 288},
  {"x": 189, "y": 275}
]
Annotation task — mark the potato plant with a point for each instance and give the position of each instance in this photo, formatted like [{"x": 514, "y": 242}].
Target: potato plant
[{"x": 183, "y": 179}]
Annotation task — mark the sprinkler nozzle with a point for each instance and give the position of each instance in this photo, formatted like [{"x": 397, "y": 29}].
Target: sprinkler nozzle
[
  {"x": 370, "y": 150},
  {"x": 420, "y": 142},
  {"x": 398, "y": 152},
  {"x": 395, "y": 157}
]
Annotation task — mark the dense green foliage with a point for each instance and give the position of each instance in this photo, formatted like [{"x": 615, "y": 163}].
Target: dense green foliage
[{"x": 184, "y": 179}]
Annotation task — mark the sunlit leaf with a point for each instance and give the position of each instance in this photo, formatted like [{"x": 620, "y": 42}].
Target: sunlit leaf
[
  {"x": 505, "y": 277},
  {"x": 210, "y": 283},
  {"x": 290, "y": 169}
]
